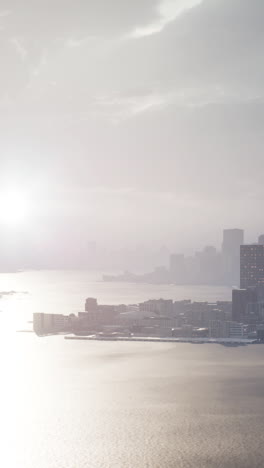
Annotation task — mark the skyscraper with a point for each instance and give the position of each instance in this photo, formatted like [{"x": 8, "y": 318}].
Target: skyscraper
[
  {"x": 251, "y": 266},
  {"x": 232, "y": 240}
]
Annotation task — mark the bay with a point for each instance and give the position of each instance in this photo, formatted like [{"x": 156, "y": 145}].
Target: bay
[{"x": 79, "y": 404}]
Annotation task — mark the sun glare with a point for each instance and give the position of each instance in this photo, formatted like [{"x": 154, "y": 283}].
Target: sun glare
[{"x": 14, "y": 208}]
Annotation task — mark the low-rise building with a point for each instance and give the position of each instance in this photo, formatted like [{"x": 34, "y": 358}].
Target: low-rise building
[
  {"x": 46, "y": 324},
  {"x": 223, "y": 329}
]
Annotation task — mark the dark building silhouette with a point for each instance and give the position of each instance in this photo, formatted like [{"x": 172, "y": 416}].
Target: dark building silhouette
[
  {"x": 241, "y": 298},
  {"x": 251, "y": 266}
]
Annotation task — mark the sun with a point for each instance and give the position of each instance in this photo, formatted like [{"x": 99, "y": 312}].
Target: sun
[{"x": 14, "y": 207}]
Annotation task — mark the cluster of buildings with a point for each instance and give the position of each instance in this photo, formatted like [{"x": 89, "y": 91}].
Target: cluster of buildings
[
  {"x": 155, "y": 318},
  {"x": 243, "y": 317},
  {"x": 208, "y": 266}
]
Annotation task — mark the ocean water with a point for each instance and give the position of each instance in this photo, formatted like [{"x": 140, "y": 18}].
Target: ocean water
[{"x": 79, "y": 404}]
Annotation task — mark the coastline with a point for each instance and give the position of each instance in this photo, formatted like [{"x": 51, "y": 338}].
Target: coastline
[{"x": 222, "y": 341}]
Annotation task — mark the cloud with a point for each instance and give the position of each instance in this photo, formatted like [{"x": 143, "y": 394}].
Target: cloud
[
  {"x": 84, "y": 105},
  {"x": 205, "y": 56},
  {"x": 54, "y": 19},
  {"x": 211, "y": 47},
  {"x": 168, "y": 10},
  {"x": 20, "y": 48}
]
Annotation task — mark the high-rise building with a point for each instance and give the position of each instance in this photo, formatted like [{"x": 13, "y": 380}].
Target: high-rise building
[
  {"x": 251, "y": 266},
  {"x": 232, "y": 240}
]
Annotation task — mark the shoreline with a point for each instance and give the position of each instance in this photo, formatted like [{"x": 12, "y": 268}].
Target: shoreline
[{"x": 222, "y": 341}]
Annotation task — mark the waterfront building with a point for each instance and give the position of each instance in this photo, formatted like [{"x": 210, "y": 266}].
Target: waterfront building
[
  {"x": 220, "y": 329},
  {"x": 217, "y": 329},
  {"x": 235, "y": 330},
  {"x": 241, "y": 298},
  {"x": 91, "y": 304},
  {"x": 186, "y": 331},
  {"x": 160, "y": 306},
  {"x": 101, "y": 314},
  {"x": 45, "y": 324},
  {"x": 255, "y": 312},
  {"x": 156, "y": 317},
  {"x": 251, "y": 266},
  {"x": 260, "y": 332}
]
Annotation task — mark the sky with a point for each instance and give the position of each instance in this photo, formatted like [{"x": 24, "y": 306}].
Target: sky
[{"x": 133, "y": 123}]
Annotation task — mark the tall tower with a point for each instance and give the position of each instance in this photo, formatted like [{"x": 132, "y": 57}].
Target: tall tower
[
  {"x": 251, "y": 266},
  {"x": 232, "y": 240}
]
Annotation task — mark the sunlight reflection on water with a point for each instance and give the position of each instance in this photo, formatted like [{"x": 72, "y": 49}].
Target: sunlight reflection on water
[{"x": 78, "y": 404}]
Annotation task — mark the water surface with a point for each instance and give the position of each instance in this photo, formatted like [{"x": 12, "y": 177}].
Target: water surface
[{"x": 79, "y": 404}]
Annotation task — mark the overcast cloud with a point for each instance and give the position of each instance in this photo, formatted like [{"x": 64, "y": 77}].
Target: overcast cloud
[{"x": 144, "y": 117}]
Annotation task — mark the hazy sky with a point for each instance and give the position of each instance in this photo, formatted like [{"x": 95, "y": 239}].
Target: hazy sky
[{"x": 134, "y": 120}]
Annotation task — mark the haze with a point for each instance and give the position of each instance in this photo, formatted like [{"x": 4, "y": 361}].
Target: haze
[{"x": 131, "y": 123}]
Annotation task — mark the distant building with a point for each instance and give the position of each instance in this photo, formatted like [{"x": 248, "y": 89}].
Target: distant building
[
  {"x": 261, "y": 239},
  {"x": 96, "y": 314},
  {"x": 241, "y": 298},
  {"x": 232, "y": 240},
  {"x": 219, "y": 329},
  {"x": 186, "y": 331},
  {"x": 177, "y": 267},
  {"x": 150, "y": 318},
  {"x": 255, "y": 312},
  {"x": 91, "y": 304},
  {"x": 160, "y": 307},
  {"x": 235, "y": 330},
  {"x": 47, "y": 324},
  {"x": 251, "y": 266},
  {"x": 260, "y": 333},
  {"x": 208, "y": 263},
  {"x": 103, "y": 315}
]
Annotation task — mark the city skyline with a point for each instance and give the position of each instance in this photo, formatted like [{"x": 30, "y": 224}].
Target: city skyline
[
  {"x": 19, "y": 252},
  {"x": 165, "y": 319}
]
